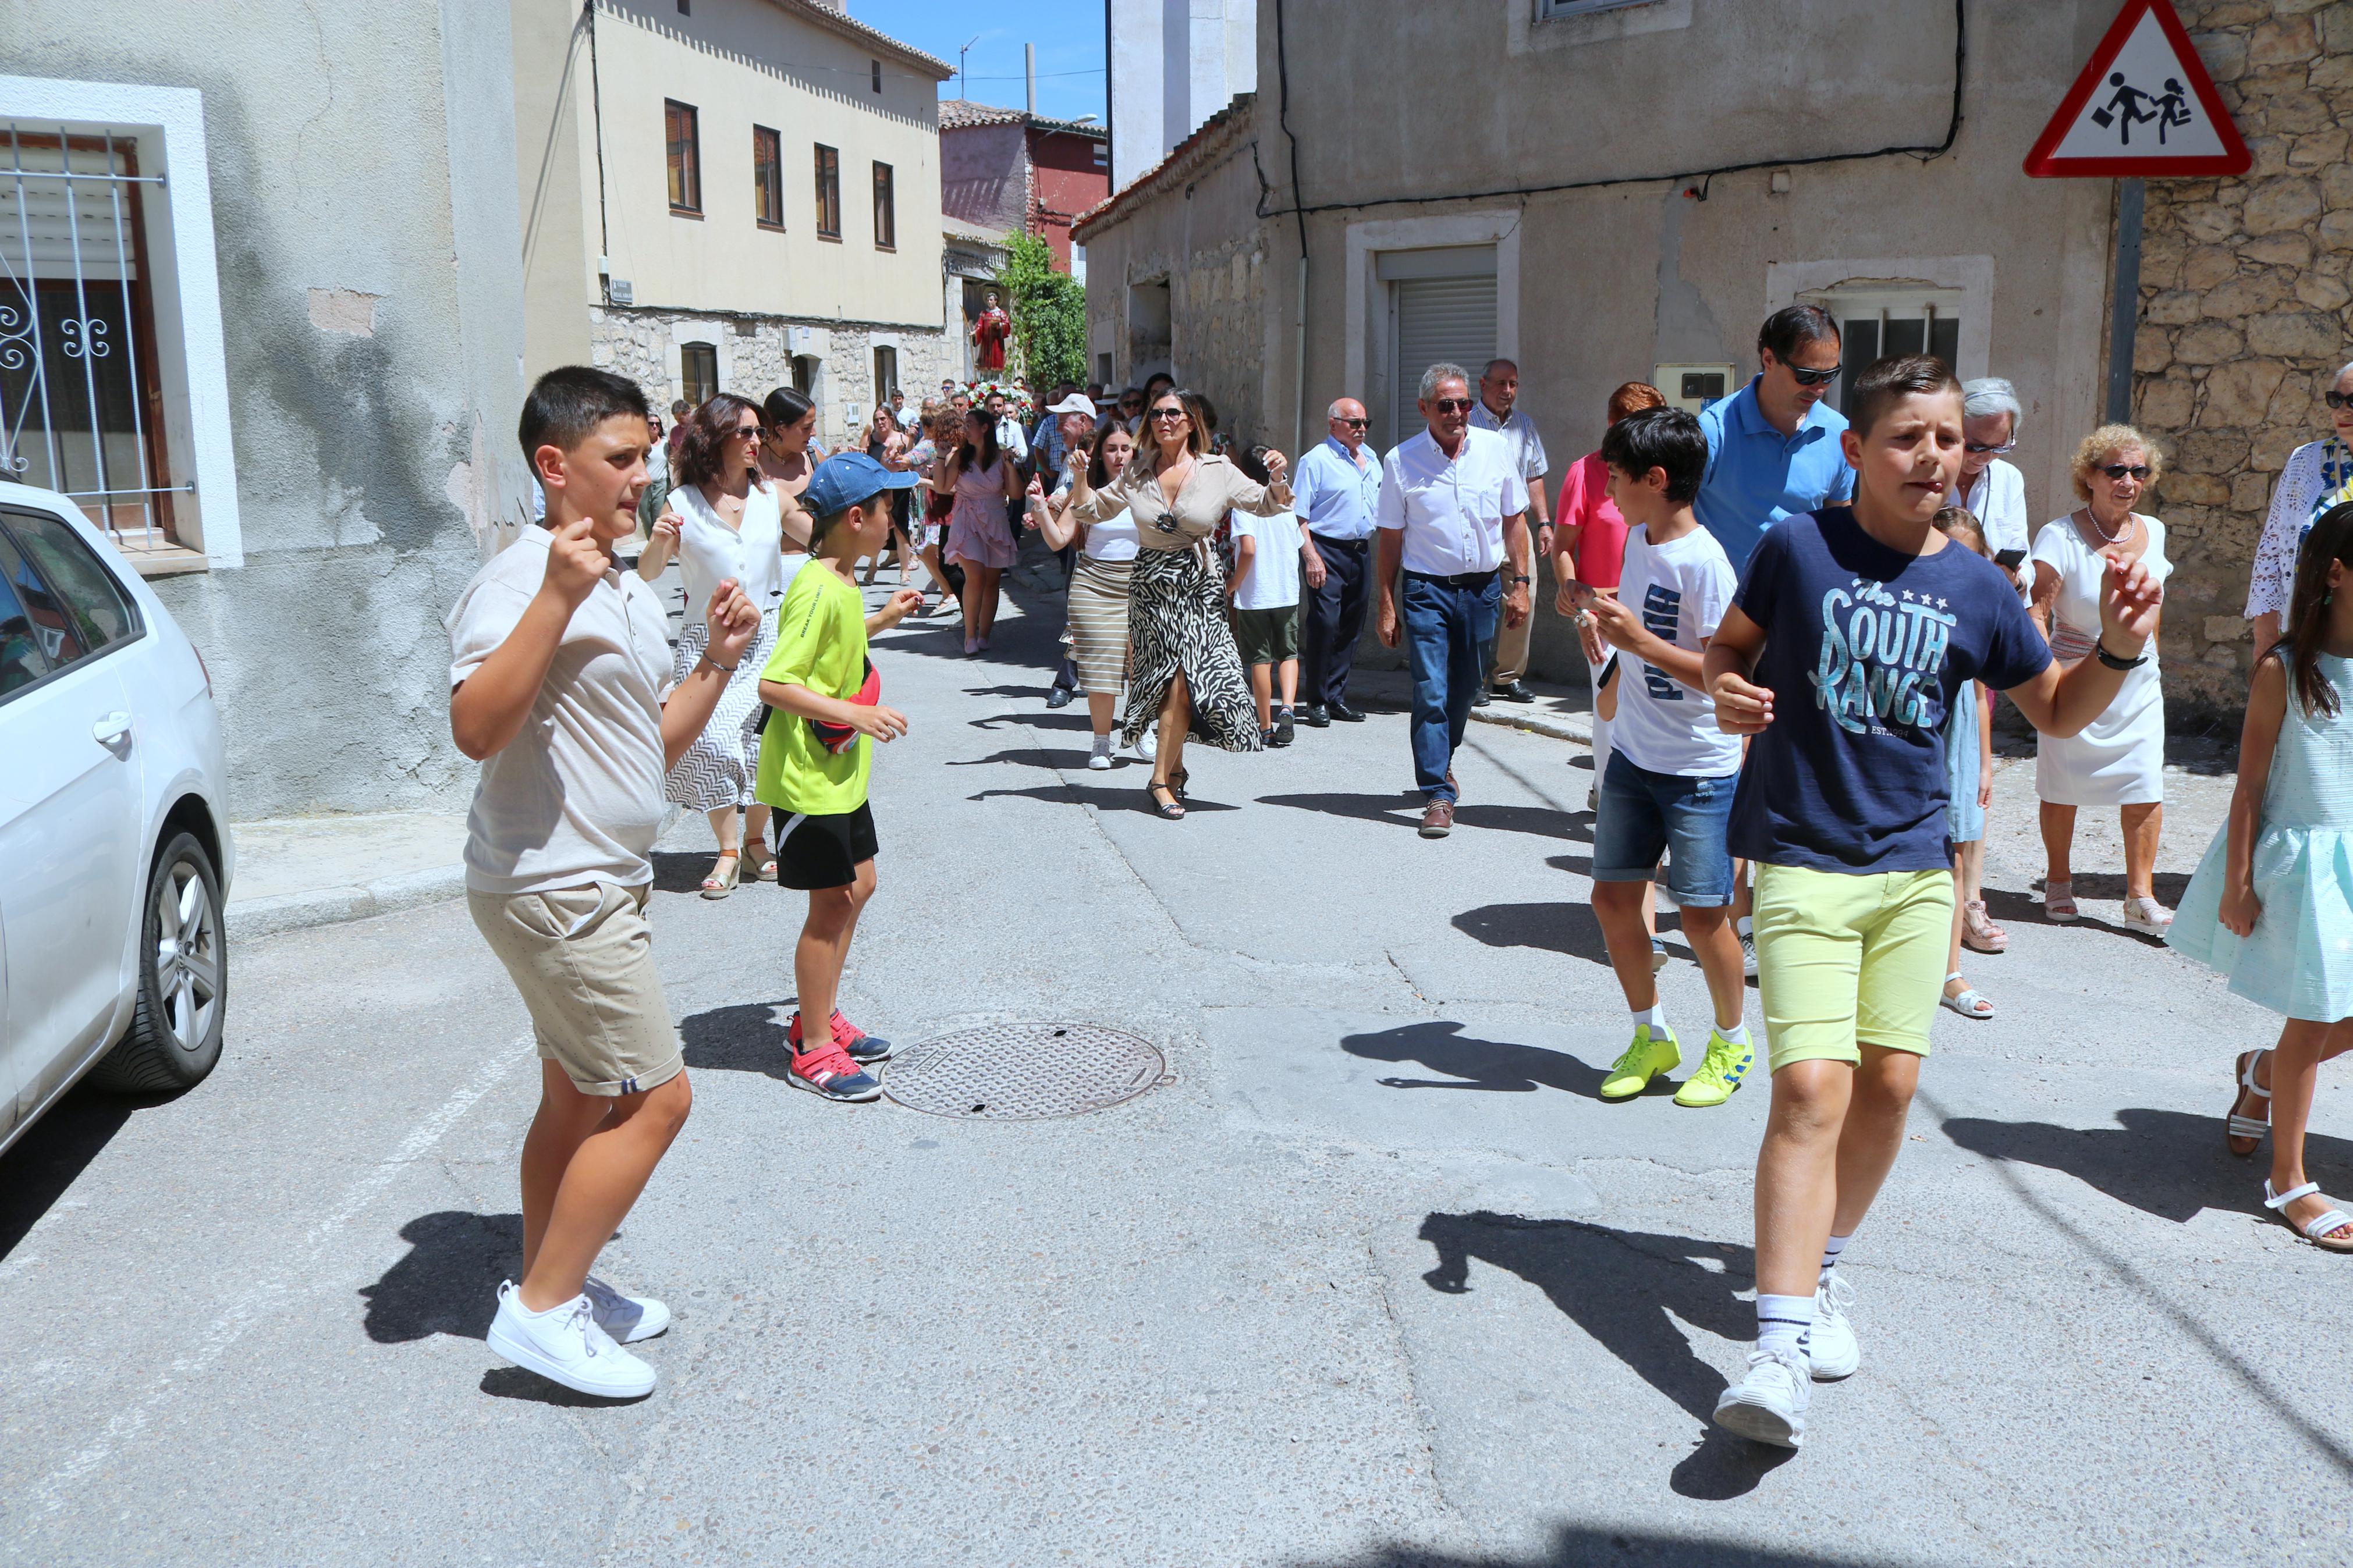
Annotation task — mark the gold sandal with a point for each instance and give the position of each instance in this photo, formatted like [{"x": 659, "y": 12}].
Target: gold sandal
[{"x": 715, "y": 886}]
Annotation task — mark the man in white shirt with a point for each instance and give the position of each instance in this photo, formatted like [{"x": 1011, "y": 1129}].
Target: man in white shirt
[
  {"x": 1499, "y": 391},
  {"x": 1453, "y": 509}
]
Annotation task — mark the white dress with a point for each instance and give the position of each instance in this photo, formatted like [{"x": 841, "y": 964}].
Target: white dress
[
  {"x": 717, "y": 768},
  {"x": 2120, "y": 757}
]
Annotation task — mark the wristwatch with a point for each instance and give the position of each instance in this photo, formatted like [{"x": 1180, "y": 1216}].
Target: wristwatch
[
  {"x": 2113, "y": 662},
  {"x": 1518, "y": 580}
]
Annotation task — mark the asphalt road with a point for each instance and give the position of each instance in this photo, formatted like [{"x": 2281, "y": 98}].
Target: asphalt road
[{"x": 1377, "y": 1280}]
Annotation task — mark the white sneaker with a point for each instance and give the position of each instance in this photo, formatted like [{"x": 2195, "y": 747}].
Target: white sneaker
[
  {"x": 1749, "y": 956},
  {"x": 1099, "y": 758},
  {"x": 1148, "y": 745},
  {"x": 627, "y": 1318},
  {"x": 565, "y": 1345},
  {"x": 1768, "y": 1406},
  {"x": 1830, "y": 1342}
]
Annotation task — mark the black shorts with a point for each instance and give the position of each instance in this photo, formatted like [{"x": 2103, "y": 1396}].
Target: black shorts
[{"x": 818, "y": 852}]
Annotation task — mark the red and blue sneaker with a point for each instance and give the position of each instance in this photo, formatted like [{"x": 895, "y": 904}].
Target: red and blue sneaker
[
  {"x": 827, "y": 1070},
  {"x": 861, "y": 1046}
]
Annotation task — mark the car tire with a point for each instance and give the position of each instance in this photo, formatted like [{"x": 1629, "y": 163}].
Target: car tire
[{"x": 175, "y": 1030}]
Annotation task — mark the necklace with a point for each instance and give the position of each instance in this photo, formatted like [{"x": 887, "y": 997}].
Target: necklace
[{"x": 2115, "y": 537}]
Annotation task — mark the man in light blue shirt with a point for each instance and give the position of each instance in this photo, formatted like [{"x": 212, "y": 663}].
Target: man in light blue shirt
[
  {"x": 1333, "y": 491},
  {"x": 1773, "y": 446}
]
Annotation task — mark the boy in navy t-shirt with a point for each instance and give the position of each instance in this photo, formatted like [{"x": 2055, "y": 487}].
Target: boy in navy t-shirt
[{"x": 1851, "y": 632}]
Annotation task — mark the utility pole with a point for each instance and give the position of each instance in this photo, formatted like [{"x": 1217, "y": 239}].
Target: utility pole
[
  {"x": 964, "y": 88},
  {"x": 1030, "y": 73}
]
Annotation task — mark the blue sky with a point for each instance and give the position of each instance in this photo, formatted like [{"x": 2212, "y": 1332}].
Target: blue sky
[{"x": 1069, "y": 34}]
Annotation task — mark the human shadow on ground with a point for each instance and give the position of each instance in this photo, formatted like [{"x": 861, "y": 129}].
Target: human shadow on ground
[
  {"x": 514, "y": 1383},
  {"x": 1568, "y": 927},
  {"x": 2024, "y": 905},
  {"x": 1630, "y": 1290},
  {"x": 682, "y": 870},
  {"x": 1044, "y": 719},
  {"x": 51, "y": 1155},
  {"x": 2168, "y": 1164},
  {"x": 1133, "y": 799},
  {"x": 745, "y": 1036},
  {"x": 1497, "y": 1065},
  {"x": 447, "y": 1281},
  {"x": 1027, "y": 757},
  {"x": 1582, "y": 1546},
  {"x": 1404, "y": 810}
]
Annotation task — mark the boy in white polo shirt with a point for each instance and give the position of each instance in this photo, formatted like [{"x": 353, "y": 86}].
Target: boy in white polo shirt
[
  {"x": 561, "y": 687},
  {"x": 1667, "y": 784},
  {"x": 1266, "y": 609}
]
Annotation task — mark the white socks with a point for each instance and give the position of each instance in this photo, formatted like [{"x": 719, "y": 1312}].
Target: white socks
[
  {"x": 1782, "y": 1322},
  {"x": 1836, "y": 1244},
  {"x": 1654, "y": 1016},
  {"x": 1737, "y": 1035}
]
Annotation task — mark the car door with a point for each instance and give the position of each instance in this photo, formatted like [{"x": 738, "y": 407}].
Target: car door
[{"x": 72, "y": 833}]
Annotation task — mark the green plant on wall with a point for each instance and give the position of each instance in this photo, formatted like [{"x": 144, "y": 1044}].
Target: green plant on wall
[{"x": 1049, "y": 314}]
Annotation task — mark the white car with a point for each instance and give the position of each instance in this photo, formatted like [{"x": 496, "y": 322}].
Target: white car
[{"x": 114, "y": 844}]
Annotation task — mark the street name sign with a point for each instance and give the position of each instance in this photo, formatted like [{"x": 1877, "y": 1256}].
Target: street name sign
[{"x": 2142, "y": 107}]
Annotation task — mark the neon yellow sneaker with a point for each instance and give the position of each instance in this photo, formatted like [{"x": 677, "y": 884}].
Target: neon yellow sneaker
[
  {"x": 1720, "y": 1072},
  {"x": 1645, "y": 1059}
]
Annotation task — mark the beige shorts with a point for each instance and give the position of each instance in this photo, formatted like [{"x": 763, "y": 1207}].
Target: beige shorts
[{"x": 584, "y": 960}]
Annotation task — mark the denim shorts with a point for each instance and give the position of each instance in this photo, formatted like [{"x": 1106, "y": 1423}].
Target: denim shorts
[{"x": 1645, "y": 814}]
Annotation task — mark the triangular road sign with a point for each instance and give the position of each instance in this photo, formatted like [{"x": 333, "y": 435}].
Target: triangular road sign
[{"x": 2144, "y": 107}]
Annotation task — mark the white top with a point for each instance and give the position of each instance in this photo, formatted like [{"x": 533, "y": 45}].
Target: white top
[
  {"x": 2314, "y": 470},
  {"x": 709, "y": 552},
  {"x": 576, "y": 796},
  {"x": 1011, "y": 439},
  {"x": 1680, "y": 588},
  {"x": 1112, "y": 539},
  {"x": 1998, "y": 500},
  {"x": 1273, "y": 580},
  {"x": 1451, "y": 509},
  {"x": 1527, "y": 446}
]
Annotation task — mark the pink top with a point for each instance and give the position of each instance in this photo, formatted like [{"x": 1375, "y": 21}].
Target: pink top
[{"x": 1584, "y": 504}]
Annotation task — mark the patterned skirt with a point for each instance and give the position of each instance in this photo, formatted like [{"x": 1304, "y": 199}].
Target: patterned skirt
[
  {"x": 1177, "y": 620},
  {"x": 1098, "y": 623},
  {"x": 718, "y": 766}
]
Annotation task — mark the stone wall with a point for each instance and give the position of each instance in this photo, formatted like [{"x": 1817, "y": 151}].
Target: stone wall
[
  {"x": 756, "y": 354},
  {"x": 2246, "y": 312}
]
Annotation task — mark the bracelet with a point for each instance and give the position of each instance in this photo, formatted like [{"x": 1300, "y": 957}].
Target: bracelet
[
  {"x": 715, "y": 664},
  {"x": 1519, "y": 580},
  {"x": 2113, "y": 662}
]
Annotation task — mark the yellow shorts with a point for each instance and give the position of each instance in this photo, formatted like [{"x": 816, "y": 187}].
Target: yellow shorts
[{"x": 1842, "y": 959}]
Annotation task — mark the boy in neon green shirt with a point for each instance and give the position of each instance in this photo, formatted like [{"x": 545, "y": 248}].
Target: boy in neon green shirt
[{"x": 815, "y": 758}]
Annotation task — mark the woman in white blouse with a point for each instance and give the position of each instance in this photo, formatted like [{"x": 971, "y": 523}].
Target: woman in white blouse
[
  {"x": 2118, "y": 759},
  {"x": 723, "y": 520},
  {"x": 2316, "y": 477},
  {"x": 1993, "y": 490}
]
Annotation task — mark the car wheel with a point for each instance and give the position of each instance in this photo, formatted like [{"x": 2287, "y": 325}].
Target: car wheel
[{"x": 176, "y": 1031}]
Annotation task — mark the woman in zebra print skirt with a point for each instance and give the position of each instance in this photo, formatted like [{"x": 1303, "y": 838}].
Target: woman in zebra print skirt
[{"x": 1185, "y": 673}]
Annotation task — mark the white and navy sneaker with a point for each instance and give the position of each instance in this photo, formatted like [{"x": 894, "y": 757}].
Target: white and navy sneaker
[
  {"x": 627, "y": 1318},
  {"x": 1768, "y": 1406},
  {"x": 565, "y": 1345},
  {"x": 1830, "y": 1343},
  {"x": 1749, "y": 956}
]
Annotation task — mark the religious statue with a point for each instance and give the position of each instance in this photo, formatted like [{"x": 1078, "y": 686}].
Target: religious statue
[{"x": 991, "y": 332}]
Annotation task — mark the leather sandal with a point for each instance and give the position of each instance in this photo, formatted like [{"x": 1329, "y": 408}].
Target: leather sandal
[
  {"x": 2317, "y": 1229},
  {"x": 1978, "y": 933},
  {"x": 715, "y": 886},
  {"x": 764, "y": 864},
  {"x": 2251, "y": 1130},
  {"x": 1173, "y": 809}
]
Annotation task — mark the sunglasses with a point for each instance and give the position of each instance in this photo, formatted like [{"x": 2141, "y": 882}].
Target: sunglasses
[
  {"x": 751, "y": 430},
  {"x": 1979, "y": 447},
  {"x": 1169, "y": 414},
  {"x": 2118, "y": 470},
  {"x": 1453, "y": 404},
  {"x": 1813, "y": 377},
  {"x": 2337, "y": 399},
  {"x": 1354, "y": 424}
]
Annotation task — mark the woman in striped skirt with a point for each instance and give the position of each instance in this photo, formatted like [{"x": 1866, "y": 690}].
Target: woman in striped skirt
[{"x": 1099, "y": 582}]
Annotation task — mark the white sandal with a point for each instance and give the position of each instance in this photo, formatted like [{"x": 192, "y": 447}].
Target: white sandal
[
  {"x": 2238, "y": 1126},
  {"x": 2146, "y": 916},
  {"x": 1969, "y": 1004},
  {"x": 2315, "y": 1230},
  {"x": 2059, "y": 902}
]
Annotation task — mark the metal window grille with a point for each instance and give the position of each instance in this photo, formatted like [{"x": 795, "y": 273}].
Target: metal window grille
[{"x": 80, "y": 402}]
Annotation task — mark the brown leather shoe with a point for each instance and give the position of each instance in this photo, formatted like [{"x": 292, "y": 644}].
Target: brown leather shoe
[{"x": 1438, "y": 819}]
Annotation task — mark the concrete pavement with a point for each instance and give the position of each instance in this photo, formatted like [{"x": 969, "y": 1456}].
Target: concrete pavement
[{"x": 1375, "y": 1280}]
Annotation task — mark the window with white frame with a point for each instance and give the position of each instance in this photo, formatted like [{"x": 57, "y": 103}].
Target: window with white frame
[{"x": 1877, "y": 322}]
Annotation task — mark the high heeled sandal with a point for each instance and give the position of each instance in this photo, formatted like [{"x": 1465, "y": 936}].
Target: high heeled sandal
[
  {"x": 715, "y": 886},
  {"x": 2254, "y": 1129},
  {"x": 1174, "y": 809},
  {"x": 764, "y": 864},
  {"x": 1978, "y": 933},
  {"x": 1177, "y": 779}
]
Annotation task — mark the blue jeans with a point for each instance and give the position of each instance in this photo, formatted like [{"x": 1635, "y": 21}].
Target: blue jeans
[
  {"x": 1645, "y": 814},
  {"x": 1446, "y": 631}
]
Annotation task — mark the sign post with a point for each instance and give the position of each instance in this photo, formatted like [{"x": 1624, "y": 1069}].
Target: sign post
[{"x": 2143, "y": 107}]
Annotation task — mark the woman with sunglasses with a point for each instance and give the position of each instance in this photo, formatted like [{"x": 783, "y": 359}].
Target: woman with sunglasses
[
  {"x": 2317, "y": 476},
  {"x": 1186, "y": 672},
  {"x": 982, "y": 481},
  {"x": 724, "y": 521},
  {"x": 2118, "y": 760}
]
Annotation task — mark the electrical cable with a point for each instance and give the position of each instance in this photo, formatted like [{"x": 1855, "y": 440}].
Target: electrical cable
[{"x": 1926, "y": 153}]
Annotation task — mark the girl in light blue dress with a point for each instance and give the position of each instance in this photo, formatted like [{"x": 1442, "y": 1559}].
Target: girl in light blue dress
[{"x": 2271, "y": 904}]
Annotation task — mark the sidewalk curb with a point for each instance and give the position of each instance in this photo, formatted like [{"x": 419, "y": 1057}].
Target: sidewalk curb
[
  {"x": 1567, "y": 729},
  {"x": 332, "y": 906}
]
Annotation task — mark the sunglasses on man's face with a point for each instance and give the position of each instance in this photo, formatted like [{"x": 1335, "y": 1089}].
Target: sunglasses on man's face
[
  {"x": 2337, "y": 399},
  {"x": 1353, "y": 424},
  {"x": 1814, "y": 377},
  {"x": 2120, "y": 470},
  {"x": 1451, "y": 405}
]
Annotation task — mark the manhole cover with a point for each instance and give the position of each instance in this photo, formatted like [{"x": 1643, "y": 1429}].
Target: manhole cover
[{"x": 1024, "y": 1072}]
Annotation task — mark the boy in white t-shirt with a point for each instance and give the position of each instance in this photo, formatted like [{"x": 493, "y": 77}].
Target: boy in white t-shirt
[
  {"x": 1265, "y": 592},
  {"x": 1667, "y": 784}
]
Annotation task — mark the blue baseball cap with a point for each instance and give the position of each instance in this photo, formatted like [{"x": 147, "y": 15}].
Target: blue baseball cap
[{"x": 851, "y": 479}]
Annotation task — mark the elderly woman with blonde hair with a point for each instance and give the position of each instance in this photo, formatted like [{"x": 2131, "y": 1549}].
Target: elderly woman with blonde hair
[{"x": 2118, "y": 760}]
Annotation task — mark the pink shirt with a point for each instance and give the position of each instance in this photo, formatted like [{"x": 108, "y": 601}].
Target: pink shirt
[{"x": 1584, "y": 504}]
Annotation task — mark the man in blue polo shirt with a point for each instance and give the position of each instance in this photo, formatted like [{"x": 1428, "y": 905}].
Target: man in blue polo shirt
[{"x": 1773, "y": 446}]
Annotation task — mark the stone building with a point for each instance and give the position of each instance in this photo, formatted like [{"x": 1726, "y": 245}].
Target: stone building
[
  {"x": 1608, "y": 190},
  {"x": 740, "y": 196},
  {"x": 1009, "y": 170},
  {"x": 2246, "y": 312}
]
